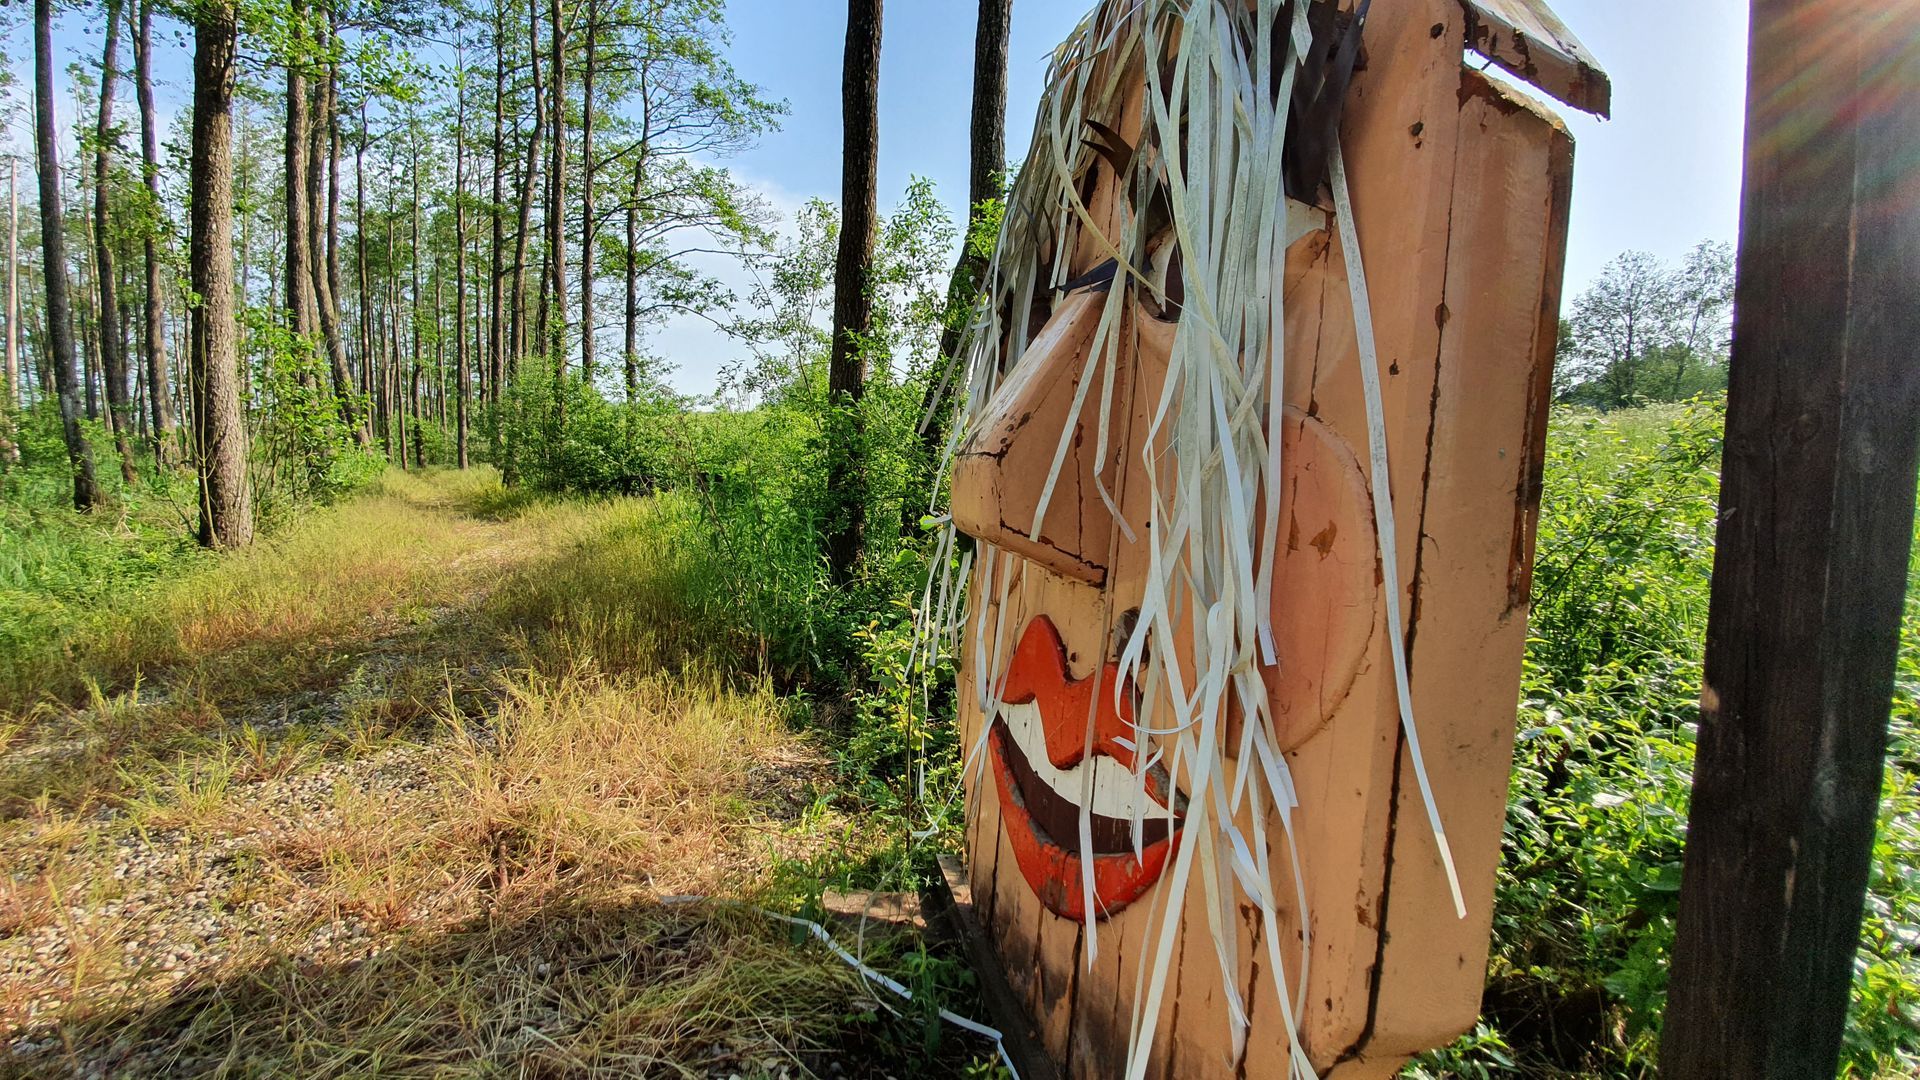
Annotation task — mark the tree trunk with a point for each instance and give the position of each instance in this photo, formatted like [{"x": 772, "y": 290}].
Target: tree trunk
[
  {"x": 461, "y": 378},
  {"x": 556, "y": 202},
  {"x": 633, "y": 279},
  {"x": 59, "y": 343},
  {"x": 413, "y": 301},
  {"x": 369, "y": 367},
  {"x": 220, "y": 433},
  {"x": 13, "y": 280},
  {"x": 159, "y": 392},
  {"x": 852, "y": 301},
  {"x": 496, "y": 281},
  {"x": 300, "y": 299},
  {"x": 987, "y": 157},
  {"x": 586, "y": 195},
  {"x": 323, "y": 263},
  {"x": 11, "y": 392},
  {"x": 529, "y": 170},
  {"x": 113, "y": 360}
]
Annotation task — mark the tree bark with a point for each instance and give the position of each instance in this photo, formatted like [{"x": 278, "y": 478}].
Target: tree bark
[
  {"x": 159, "y": 391},
  {"x": 220, "y": 433},
  {"x": 586, "y": 194},
  {"x": 11, "y": 394},
  {"x": 300, "y": 300},
  {"x": 461, "y": 378},
  {"x": 496, "y": 328},
  {"x": 556, "y": 203},
  {"x": 852, "y": 299},
  {"x": 633, "y": 279},
  {"x": 323, "y": 182},
  {"x": 113, "y": 358},
  {"x": 13, "y": 281},
  {"x": 413, "y": 302},
  {"x": 59, "y": 335},
  {"x": 371, "y": 372},
  {"x": 987, "y": 156},
  {"x": 528, "y": 173}
]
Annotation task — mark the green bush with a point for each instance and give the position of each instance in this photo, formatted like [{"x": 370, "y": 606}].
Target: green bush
[{"x": 1596, "y": 821}]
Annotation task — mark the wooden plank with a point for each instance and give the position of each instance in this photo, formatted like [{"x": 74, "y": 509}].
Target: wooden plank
[
  {"x": 1511, "y": 190},
  {"x": 1400, "y": 131},
  {"x": 1526, "y": 39},
  {"x": 1816, "y": 520}
]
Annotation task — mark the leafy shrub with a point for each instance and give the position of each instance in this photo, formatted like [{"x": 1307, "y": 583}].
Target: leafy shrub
[{"x": 1596, "y": 821}]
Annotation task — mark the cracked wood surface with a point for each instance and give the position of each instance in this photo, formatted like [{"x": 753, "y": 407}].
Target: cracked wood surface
[
  {"x": 1460, "y": 190},
  {"x": 1526, "y": 39}
]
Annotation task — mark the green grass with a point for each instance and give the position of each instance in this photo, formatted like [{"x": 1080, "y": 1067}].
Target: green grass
[{"x": 428, "y": 757}]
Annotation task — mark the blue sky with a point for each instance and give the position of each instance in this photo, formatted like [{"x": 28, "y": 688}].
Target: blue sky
[{"x": 1660, "y": 176}]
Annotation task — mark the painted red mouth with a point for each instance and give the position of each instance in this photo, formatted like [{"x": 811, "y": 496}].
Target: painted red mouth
[{"x": 1039, "y": 776}]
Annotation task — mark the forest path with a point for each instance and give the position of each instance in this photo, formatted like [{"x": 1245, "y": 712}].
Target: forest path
[{"x": 398, "y": 793}]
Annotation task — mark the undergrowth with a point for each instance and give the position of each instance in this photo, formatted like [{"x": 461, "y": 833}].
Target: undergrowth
[{"x": 1590, "y": 875}]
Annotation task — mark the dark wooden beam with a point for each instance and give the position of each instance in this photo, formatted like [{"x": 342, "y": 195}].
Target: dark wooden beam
[{"x": 1816, "y": 523}]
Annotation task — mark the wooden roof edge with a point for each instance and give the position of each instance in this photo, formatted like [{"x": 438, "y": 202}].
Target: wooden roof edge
[{"x": 1526, "y": 39}]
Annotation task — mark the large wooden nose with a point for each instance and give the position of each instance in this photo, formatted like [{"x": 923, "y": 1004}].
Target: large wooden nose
[{"x": 1001, "y": 470}]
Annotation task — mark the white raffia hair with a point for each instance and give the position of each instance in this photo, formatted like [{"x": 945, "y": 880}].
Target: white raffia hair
[{"x": 1213, "y": 127}]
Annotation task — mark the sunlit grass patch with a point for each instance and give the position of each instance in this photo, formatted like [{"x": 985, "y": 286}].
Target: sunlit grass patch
[
  {"x": 578, "y": 772},
  {"x": 397, "y": 792},
  {"x": 273, "y": 616}
]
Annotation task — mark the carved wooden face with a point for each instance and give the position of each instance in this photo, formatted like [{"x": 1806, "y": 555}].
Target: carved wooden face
[
  {"x": 1062, "y": 727},
  {"x": 1084, "y": 807}
]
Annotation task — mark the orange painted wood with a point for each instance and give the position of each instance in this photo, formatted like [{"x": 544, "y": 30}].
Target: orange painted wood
[{"x": 1459, "y": 190}]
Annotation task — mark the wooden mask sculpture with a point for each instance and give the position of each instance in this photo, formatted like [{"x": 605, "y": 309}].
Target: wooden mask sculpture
[{"x": 1248, "y": 457}]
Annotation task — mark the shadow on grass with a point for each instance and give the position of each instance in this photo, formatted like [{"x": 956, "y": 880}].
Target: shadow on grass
[{"x": 622, "y": 989}]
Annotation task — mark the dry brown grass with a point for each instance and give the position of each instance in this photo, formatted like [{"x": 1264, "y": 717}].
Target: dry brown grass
[{"x": 398, "y": 796}]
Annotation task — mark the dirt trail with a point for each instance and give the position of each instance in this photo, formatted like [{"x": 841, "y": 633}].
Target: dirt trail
[{"x": 390, "y": 862}]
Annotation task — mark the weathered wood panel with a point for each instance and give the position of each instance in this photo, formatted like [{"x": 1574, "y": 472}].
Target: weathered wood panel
[
  {"x": 1526, "y": 39},
  {"x": 1459, "y": 193},
  {"x": 1816, "y": 523}
]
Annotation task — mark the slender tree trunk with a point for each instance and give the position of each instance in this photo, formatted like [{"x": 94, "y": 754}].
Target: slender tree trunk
[
  {"x": 368, "y": 354},
  {"x": 556, "y": 204},
  {"x": 159, "y": 393},
  {"x": 13, "y": 279},
  {"x": 220, "y": 432},
  {"x": 987, "y": 157},
  {"x": 586, "y": 194},
  {"x": 83, "y": 308},
  {"x": 853, "y": 264},
  {"x": 113, "y": 360},
  {"x": 38, "y": 348},
  {"x": 323, "y": 183},
  {"x": 496, "y": 328},
  {"x": 413, "y": 297},
  {"x": 54, "y": 261},
  {"x": 300, "y": 300},
  {"x": 461, "y": 379},
  {"x": 11, "y": 391},
  {"x": 438, "y": 391},
  {"x": 529, "y": 171},
  {"x": 633, "y": 279}
]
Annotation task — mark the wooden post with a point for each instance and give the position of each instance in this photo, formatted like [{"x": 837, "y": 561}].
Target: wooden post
[{"x": 1816, "y": 523}]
